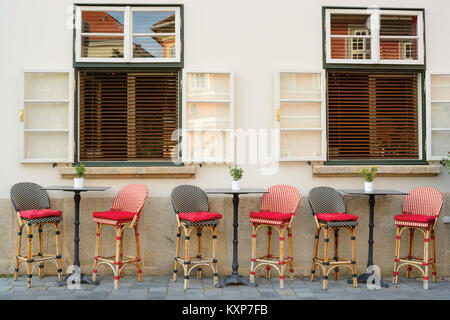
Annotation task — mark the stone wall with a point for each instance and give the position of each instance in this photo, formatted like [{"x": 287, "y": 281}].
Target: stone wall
[{"x": 158, "y": 235}]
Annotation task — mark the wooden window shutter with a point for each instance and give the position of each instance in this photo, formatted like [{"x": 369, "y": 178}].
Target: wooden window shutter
[
  {"x": 128, "y": 116},
  {"x": 373, "y": 115}
]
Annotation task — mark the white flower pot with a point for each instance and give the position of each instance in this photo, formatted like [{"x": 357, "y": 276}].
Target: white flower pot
[
  {"x": 236, "y": 185},
  {"x": 368, "y": 186},
  {"x": 78, "y": 183}
]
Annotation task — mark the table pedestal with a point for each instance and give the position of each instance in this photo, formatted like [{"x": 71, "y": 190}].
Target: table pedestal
[
  {"x": 362, "y": 278},
  {"x": 235, "y": 277}
]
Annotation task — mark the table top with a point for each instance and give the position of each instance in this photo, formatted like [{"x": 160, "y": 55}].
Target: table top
[
  {"x": 374, "y": 192},
  {"x": 71, "y": 188},
  {"x": 230, "y": 191}
]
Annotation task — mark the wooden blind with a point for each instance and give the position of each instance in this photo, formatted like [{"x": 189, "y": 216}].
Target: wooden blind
[
  {"x": 372, "y": 116},
  {"x": 128, "y": 116}
]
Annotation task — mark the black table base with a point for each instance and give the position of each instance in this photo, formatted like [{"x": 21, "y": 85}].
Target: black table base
[
  {"x": 362, "y": 278},
  {"x": 82, "y": 279},
  {"x": 235, "y": 279}
]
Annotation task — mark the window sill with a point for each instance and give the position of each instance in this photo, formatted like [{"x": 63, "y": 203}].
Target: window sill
[
  {"x": 383, "y": 170},
  {"x": 182, "y": 172}
]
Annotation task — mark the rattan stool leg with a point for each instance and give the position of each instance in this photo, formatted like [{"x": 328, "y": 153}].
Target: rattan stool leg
[
  {"x": 199, "y": 250},
  {"x": 187, "y": 232},
  {"x": 425, "y": 258},
  {"x": 315, "y": 253},
  {"x": 291, "y": 255},
  {"x": 397, "y": 255},
  {"x": 117, "y": 257},
  {"x": 19, "y": 245},
  {"x": 353, "y": 241},
  {"x": 138, "y": 252},
  {"x": 41, "y": 250},
  {"x": 29, "y": 254},
  {"x": 214, "y": 252},
  {"x": 336, "y": 252},
  {"x": 433, "y": 257},
  {"x": 58, "y": 251},
  {"x": 281, "y": 261},
  {"x": 97, "y": 246},
  {"x": 253, "y": 259},
  {"x": 177, "y": 254},
  {"x": 269, "y": 249},
  {"x": 410, "y": 252},
  {"x": 325, "y": 259}
]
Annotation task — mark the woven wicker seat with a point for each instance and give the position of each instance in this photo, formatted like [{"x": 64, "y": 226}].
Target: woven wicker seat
[
  {"x": 32, "y": 206},
  {"x": 330, "y": 214},
  {"x": 421, "y": 209},
  {"x": 191, "y": 207}
]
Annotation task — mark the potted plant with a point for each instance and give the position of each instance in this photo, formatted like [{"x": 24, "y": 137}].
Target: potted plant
[
  {"x": 368, "y": 175},
  {"x": 446, "y": 163},
  {"x": 236, "y": 173},
  {"x": 79, "y": 172}
]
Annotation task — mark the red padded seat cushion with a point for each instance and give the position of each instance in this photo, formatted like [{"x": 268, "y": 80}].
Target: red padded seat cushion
[
  {"x": 115, "y": 215},
  {"x": 36, "y": 214},
  {"x": 336, "y": 217},
  {"x": 278, "y": 216},
  {"x": 199, "y": 216},
  {"x": 415, "y": 218}
]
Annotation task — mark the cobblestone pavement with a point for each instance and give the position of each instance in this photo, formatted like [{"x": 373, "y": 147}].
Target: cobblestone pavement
[{"x": 163, "y": 288}]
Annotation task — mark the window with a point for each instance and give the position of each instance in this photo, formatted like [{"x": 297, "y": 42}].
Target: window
[
  {"x": 128, "y": 116},
  {"x": 374, "y": 36},
  {"x": 46, "y": 116},
  {"x": 299, "y": 115},
  {"x": 128, "y": 34},
  {"x": 208, "y": 117},
  {"x": 373, "y": 115},
  {"x": 438, "y": 117}
]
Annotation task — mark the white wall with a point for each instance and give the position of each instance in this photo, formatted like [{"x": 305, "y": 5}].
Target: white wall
[{"x": 252, "y": 38}]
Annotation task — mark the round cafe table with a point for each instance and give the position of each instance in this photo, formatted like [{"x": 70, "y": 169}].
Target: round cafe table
[
  {"x": 235, "y": 277},
  {"x": 76, "y": 239},
  {"x": 363, "y": 277}
]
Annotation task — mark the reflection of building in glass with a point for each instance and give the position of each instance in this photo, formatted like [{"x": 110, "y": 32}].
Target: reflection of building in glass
[
  {"x": 105, "y": 46},
  {"x": 166, "y": 42}
]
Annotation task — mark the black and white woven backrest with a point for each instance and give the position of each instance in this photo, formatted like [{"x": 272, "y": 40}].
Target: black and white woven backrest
[
  {"x": 326, "y": 200},
  {"x": 29, "y": 196},
  {"x": 188, "y": 198}
]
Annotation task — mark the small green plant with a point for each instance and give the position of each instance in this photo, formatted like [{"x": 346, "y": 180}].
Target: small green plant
[
  {"x": 369, "y": 174},
  {"x": 446, "y": 163},
  {"x": 79, "y": 170},
  {"x": 236, "y": 173}
]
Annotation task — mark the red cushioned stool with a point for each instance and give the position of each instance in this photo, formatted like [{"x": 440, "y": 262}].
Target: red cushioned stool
[
  {"x": 421, "y": 210},
  {"x": 125, "y": 212},
  {"x": 277, "y": 211}
]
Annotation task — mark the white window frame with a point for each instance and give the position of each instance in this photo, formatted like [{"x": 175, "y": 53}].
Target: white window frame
[
  {"x": 322, "y": 100},
  {"x": 430, "y": 129},
  {"x": 127, "y": 35},
  {"x": 186, "y": 131},
  {"x": 69, "y": 130},
  {"x": 375, "y": 36}
]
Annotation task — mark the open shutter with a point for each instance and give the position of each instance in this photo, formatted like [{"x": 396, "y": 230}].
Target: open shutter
[
  {"x": 438, "y": 116},
  {"x": 46, "y": 116},
  {"x": 208, "y": 117},
  {"x": 300, "y": 115},
  {"x": 373, "y": 115},
  {"x": 128, "y": 116}
]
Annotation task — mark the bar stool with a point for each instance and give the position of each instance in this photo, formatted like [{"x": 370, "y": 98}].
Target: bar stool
[
  {"x": 330, "y": 215},
  {"x": 421, "y": 209},
  {"x": 32, "y": 206},
  {"x": 191, "y": 207},
  {"x": 277, "y": 210},
  {"x": 125, "y": 212}
]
